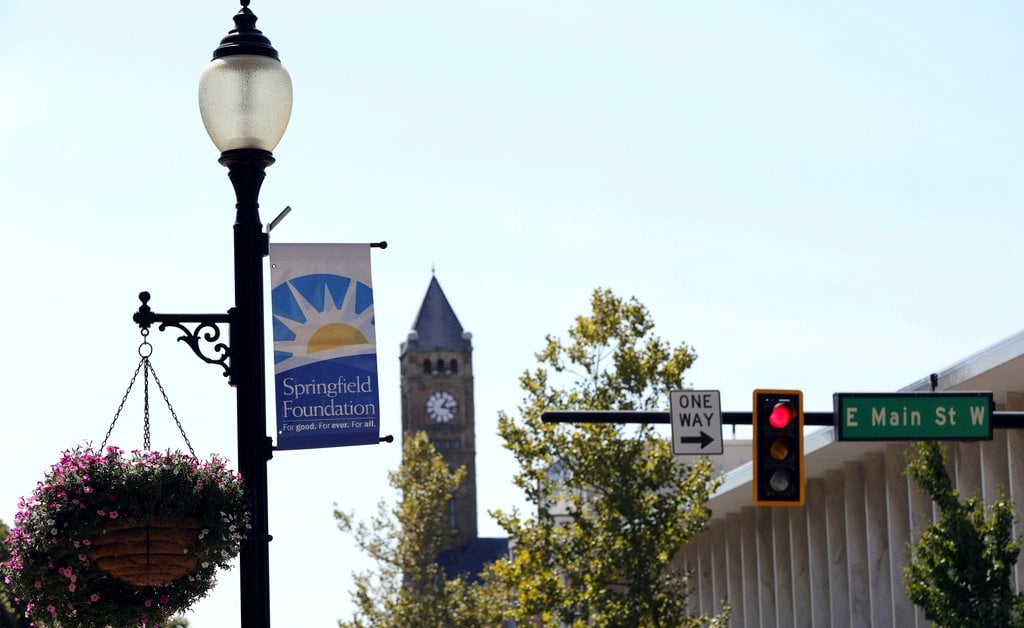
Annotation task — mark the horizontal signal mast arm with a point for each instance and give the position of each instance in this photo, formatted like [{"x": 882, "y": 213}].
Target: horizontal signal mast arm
[{"x": 1000, "y": 419}]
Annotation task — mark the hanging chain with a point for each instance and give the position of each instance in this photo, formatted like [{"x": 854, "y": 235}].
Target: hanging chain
[
  {"x": 145, "y": 404},
  {"x": 174, "y": 415},
  {"x": 146, "y": 350},
  {"x": 123, "y": 400}
]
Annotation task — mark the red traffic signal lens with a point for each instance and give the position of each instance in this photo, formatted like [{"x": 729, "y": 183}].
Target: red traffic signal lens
[{"x": 782, "y": 415}]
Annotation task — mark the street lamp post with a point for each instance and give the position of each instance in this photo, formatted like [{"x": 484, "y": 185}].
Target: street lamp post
[{"x": 245, "y": 99}]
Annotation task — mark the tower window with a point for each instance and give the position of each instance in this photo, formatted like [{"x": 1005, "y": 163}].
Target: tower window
[
  {"x": 426, "y": 366},
  {"x": 440, "y": 367},
  {"x": 453, "y": 366}
]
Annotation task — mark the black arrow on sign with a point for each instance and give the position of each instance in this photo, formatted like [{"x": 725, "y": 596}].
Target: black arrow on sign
[{"x": 703, "y": 439}]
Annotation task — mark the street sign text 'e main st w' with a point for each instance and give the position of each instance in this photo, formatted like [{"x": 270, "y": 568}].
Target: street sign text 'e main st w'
[{"x": 913, "y": 416}]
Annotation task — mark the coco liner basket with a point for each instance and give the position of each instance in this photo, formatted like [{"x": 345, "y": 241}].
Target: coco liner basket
[
  {"x": 110, "y": 538},
  {"x": 153, "y": 554}
]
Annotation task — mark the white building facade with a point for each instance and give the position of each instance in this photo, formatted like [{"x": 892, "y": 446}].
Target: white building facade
[{"x": 838, "y": 560}]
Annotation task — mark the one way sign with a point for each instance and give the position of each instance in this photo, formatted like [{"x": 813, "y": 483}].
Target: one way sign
[{"x": 696, "y": 417}]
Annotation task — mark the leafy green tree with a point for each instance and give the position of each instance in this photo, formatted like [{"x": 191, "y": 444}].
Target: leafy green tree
[
  {"x": 613, "y": 505},
  {"x": 10, "y": 616},
  {"x": 176, "y": 622},
  {"x": 961, "y": 568},
  {"x": 408, "y": 587}
]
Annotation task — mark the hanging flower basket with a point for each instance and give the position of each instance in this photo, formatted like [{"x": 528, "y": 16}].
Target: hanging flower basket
[{"x": 124, "y": 540}]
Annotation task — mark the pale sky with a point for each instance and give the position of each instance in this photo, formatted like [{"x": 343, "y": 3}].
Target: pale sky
[{"x": 820, "y": 196}]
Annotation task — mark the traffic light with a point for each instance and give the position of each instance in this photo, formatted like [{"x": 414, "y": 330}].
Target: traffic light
[{"x": 778, "y": 420}]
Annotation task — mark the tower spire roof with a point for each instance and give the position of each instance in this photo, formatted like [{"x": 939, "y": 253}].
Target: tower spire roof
[{"x": 436, "y": 325}]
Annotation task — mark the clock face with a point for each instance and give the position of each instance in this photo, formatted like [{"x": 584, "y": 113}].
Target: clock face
[{"x": 441, "y": 407}]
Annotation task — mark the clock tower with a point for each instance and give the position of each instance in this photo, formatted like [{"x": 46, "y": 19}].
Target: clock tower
[{"x": 437, "y": 398}]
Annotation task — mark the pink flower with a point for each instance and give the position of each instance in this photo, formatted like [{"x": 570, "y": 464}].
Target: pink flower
[
  {"x": 164, "y": 599},
  {"x": 148, "y": 603},
  {"x": 113, "y": 514},
  {"x": 101, "y": 513},
  {"x": 72, "y": 587},
  {"x": 39, "y": 585},
  {"x": 94, "y": 597}
]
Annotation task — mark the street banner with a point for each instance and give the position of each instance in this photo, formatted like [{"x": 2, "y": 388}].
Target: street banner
[{"x": 325, "y": 346}]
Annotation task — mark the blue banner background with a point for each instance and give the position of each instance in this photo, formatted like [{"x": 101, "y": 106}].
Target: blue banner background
[{"x": 298, "y": 428}]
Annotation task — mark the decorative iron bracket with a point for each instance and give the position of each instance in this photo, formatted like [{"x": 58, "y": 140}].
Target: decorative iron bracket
[{"x": 206, "y": 331}]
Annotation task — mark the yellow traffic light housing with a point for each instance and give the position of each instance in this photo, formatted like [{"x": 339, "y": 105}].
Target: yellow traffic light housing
[{"x": 778, "y": 420}]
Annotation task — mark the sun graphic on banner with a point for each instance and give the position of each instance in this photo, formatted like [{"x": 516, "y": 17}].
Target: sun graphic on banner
[
  {"x": 317, "y": 324},
  {"x": 334, "y": 335}
]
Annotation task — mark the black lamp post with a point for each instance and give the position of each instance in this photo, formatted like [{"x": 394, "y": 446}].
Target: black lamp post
[{"x": 245, "y": 98}]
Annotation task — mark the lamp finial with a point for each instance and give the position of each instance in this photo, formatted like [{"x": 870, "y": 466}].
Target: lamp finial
[{"x": 245, "y": 38}]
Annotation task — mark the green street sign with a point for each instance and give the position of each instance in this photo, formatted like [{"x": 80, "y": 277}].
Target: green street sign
[{"x": 913, "y": 416}]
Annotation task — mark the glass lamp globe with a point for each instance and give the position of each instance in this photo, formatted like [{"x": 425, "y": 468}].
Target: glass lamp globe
[{"x": 245, "y": 101}]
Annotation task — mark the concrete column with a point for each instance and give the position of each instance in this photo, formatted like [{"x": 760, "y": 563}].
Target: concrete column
[
  {"x": 856, "y": 544},
  {"x": 968, "y": 468},
  {"x": 899, "y": 512},
  {"x": 995, "y": 466},
  {"x": 783, "y": 568},
  {"x": 817, "y": 549},
  {"x": 765, "y": 567},
  {"x": 798, "y": 546},
  {"x": 706, "y": 590},
  {"x": 922, "y": 514},
  {"x": 719, "y": 565},
  {"x": 1015, "y": 475},
  {"x": 751, "y": 570},
  {"x": 877, "y": 524},
  {"x": 734, "y": 564},
  {"x": 692, "y": 565},
  {"x": 839, "y": 579},
  {"x": 1015, "y": 438}
]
